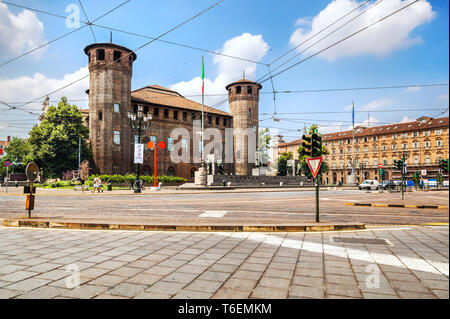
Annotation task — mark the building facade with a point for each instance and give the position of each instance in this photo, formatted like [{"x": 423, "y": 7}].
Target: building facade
[
  {"x": 3, "y": 146},
  {"x": 424, "y": 142},
  {"x": 112, "y": 139}
]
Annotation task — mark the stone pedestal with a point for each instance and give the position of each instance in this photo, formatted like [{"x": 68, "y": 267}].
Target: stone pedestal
[{"x": 201, "y": 176}]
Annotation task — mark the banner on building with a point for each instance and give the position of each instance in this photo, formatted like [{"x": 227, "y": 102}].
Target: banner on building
[{"x": 138, "y": 153}]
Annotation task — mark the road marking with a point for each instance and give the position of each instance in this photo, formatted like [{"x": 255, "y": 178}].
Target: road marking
[
  {"x": 339, "y": 200},
  {"x": 213, "y": 213}
]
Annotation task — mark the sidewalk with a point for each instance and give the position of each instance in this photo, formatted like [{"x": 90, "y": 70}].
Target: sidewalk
[{"x": 404, "y": 262}]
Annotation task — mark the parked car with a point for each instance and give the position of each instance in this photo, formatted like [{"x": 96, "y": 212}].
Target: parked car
[
  {"x": 369, "y": 184},
  {"x": 385, "y": 185},
  {"x": 398, "y": 183}
]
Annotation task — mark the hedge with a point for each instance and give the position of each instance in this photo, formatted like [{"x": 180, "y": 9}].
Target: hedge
[{"x": 131, "y": 177}]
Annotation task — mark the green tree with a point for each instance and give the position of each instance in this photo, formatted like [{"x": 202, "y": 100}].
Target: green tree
[
  {"x": 54, "y": 142},
  {"x": 263, "y": 145},
  {"x": 282, "y": 163},
  {"x": 304, "y": 168}
]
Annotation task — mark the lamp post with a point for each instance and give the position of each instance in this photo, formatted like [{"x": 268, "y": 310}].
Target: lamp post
[{"x": 140, "y": 122}]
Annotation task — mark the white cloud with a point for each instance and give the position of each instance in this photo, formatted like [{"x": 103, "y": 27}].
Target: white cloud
[
  {"x": 20, "y": 33},
  {"x": 393, "y": 33},
  {"x": 331, "y": 127},
  {"x": 413, "y": 89},
  {"x": 251, "y": 47},
  {"x": 303, "y": 21},
  {"x": 406, "y": 119},
  {"x": 27, "y": 88},
  {"x": 371, "y": 121},
  {"x": 375, "y": 105},
  {"x": 443, "y": 97}
]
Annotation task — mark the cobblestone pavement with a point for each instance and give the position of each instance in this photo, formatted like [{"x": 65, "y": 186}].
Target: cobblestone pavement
[
  {"x": 411, "y": 262},
  {"x": 260, "y": 207}
]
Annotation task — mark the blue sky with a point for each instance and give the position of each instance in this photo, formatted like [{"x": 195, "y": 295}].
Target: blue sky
[{"x": 408, "y": 48}]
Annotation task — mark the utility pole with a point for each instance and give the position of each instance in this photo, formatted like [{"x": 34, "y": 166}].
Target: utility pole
[
  {"x": 79, "y": 157},
  {"x": 353, "y": 142}
]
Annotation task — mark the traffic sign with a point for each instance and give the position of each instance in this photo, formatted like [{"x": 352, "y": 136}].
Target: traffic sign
[
  {"x": 8, "y": 163},
  {"x": 424, "y": 172},
  {"x": 314, "y": 165},
  {"x": 32, "y": 172},
  {"x": 1, "y": 151},
  {"x": 380, "y": 165}
]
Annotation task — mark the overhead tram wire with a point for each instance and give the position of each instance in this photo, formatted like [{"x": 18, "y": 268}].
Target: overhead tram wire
[
  {"x": 323, "y": 38},
  {"x": 88, "y": 22},
  {"x": 142, "y": 35},
  {"x": 131, "y": 52},
  {"x": 285, "y": 92},
  {"x": 349, "y": 112},
  {"x": 340, "y": 41},
  {"x": 62, "y": 36},
  {"x": 313, "y": 36}
]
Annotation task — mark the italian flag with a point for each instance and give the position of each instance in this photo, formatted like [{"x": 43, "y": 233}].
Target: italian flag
[{"x": 203, "y": 77}]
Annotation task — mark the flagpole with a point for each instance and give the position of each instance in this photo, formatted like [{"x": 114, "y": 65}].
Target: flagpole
[
  {"x": 353, "y": 142},
  {"x": 203, "y": 106}
]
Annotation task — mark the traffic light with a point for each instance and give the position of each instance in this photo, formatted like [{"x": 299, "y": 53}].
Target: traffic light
[
  {"x": 398, "y": 164},
  {"x": 443, "y": 165},
  {"x": 316, "y": 145},
  {"x": 416, "y": 175},
  {"x": 307, "y": 147}
]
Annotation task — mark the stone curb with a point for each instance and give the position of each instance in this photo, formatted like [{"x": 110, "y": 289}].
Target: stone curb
[
  {"x": 190, "y": 228},
  {"x": 398, "y": 205}
]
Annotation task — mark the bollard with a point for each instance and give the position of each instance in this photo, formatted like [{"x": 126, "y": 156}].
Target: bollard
[
  {"x": 160, "y": 184},
  {"x": 229, "y": 184},
  {"x": 224, "y": 183},
  {"x": 16, "y": 184},
  {"x": 109, "y": 187}
]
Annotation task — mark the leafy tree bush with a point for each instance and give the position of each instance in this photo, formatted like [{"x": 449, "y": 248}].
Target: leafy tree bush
[{"x": 282, "y": 163}]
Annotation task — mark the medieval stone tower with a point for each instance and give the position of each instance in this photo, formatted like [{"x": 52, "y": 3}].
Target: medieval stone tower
[
  {"x": 110, "y": 70},
  {"x": 243, "y": 97}
]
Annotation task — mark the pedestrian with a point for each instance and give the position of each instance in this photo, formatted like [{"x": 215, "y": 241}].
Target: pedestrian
[
  {"x": 82, "y": 184},
  {"x": 94, "y": 184},
  {"x": 142, "y": 185},
  {"x": 100, "y": 185}
]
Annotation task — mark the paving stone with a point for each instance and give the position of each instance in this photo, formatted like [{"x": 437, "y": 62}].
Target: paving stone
[
  {"x": 339, "y": 271},
  {"x": 8, "y": 294},
  {"x": 28, "y": 284},
  {"x": 241, "y": 284},
  {"x": 401, "y": 276},
  {"x": 245, "y": 274},
  {"x": 96, "y": 259},
  {"x": 223, "y": 268},
  {"x": 204, "y": 285},
  {"x": 306, "y": 292},
  {"x": 436, "y": 284},
  {"x": 180, "y": 277},
  {"x": 339, "y": 279},
  {"x": 18, "y": 276},
  {"x": 151, "y": 295},
  {"x": 415, "y": 295},
  {"x": 107, "y": 280},
  {"x": 192, "y": 294},
  {"x": 126, "y": 289},
  {"x": 409, "y": 286},
  {"x": 367, "y": 295},
  {"x": 7, "y": 269},
  {"x": 44, "y": 292},
  {"x": 164, "y": 287},
  {"x": 343, "y": 290},
  {"x": 442, "y": 294},
  {"x": 54, "y": 274},
  {"x": 126, "y": 271},
  {"x": 253, "y": 267},
  {"x": 230, "y": 293},
  {"x": 144, "y": 279},
  {"x": 269, "y": 293},
  {"x": 111, "y": 264},
  {"x": 173, "y": 263},
  {"x": 93, "y": 272},
  {"x": 85, "y": 292},
  {"x": 307, "y": 281},
  {"x": 274, "y": 282},
  {"x": 45, "y": 267},
  {"x": 145, "y": 264},
  {"x": 309, "y": 272}
]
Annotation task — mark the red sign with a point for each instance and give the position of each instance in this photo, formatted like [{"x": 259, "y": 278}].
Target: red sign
[
  {"x": 380, "y": 165},
  {"x": 1, "y": 151},
  {"x": 314, "y": 165},
  {"x": 7, "y": 163},
  {"x": 161, "y": 145}
]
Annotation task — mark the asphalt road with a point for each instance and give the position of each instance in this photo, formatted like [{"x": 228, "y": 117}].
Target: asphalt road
[{"x": 241, "y": 205}]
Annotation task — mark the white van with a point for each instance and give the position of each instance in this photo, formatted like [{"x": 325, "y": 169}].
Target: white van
[{"x": 369, "y": 184}]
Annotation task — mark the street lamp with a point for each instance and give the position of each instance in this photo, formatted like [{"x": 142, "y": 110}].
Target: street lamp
[{"x": 140, "y": 122}]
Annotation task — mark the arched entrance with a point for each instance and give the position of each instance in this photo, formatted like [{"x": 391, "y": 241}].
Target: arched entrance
[{"x": 171, "y": 171}]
